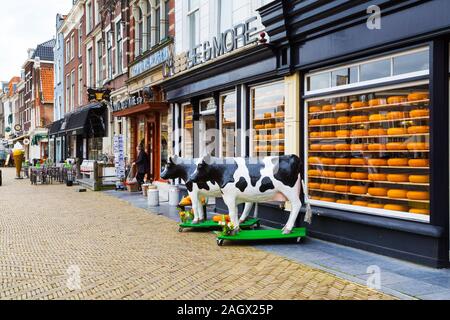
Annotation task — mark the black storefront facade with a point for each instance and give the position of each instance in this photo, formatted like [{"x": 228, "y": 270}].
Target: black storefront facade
[{"x": 374, "y": 101}]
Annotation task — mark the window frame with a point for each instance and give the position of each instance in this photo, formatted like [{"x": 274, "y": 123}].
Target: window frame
[
  {"x": 191, "y": 35},
  {"x": 183, "y": 128},
  {"x": 226, "y": 93}
]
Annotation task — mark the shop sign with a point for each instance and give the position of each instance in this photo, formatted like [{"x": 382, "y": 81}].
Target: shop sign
[
  {"x": 128, "y": 103},
  {"x": 150, "y": 62},
  {"x": 119, "y": 156},
  {"x": 232, "y": 39}
]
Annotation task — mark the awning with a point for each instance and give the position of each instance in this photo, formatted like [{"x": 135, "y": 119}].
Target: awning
[
  {"x": 37, "y": 138},
  {"x": 142, "y": 108},
  {"x": 89, "y": 121},
  {"x": 55, "y": 128}
]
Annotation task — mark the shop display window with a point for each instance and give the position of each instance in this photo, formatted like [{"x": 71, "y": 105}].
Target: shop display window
[
  {"x": 229, "y": 136},
  {"x": 164, "y": 139},
  {"x": 188, "y": 131},
  {"x": 268, "y": 117},
  {"x": 369, "y": 151},
  {"x": 95, "y": 148}
]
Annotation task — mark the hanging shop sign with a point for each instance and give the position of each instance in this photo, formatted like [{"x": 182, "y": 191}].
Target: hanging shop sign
[
  {"x": 18, "y": 127},
  {"x": 153, "y": 60},
  {"x": 99, "y": 95},
  {"x": 232, "y": 39},
  {"x": 128, "y": 103}
]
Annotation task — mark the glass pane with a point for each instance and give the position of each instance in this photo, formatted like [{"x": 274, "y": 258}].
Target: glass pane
[
  {"x": 371, "y": 151},
  {"x": 228, "y": 103},
  {"x": 319, "y": 81},
  {"x": 268, "y": 109},
  {"x": 375, "y": 70},
  {"x": 207, "y": 105},
  {"x": 164, "y": 139},
  {"x": 344, "y": 76},
  {"x": 188, "y": 132},
  {"x": 193, "y": 4},
  {"x": 414, "y": 62}
]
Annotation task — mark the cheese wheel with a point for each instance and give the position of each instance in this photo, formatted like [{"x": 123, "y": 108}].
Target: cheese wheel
[
  {"x": 397, "y": 162},
  {"x": 420, "y": 211},
  {"x": 327, "y": 134},
  {"x": 327, "y": 161},
  {"x": 358, "y": 190},
  {"x": 359, "y": 175},
  {"x": 396, "y": 115},
  {"x": 397, "y": 131},
  {"x": 314, "y": 134},
  {"x": 342, "y": 161},
  {"x": 327, "y": 108},
  {"x": 280, "y": 114},
  {"x": 377, "y": 162},
  {"x": 419, "y": 113},
  {"x": 358, "y": 147},
  {"x": 327, "y": 187},
  {"x": 396, "y": 207},
  {"x": 269, "y": 137},
  {"x": 417, "y": 96},
  {"x": 398, "y": 177},
  {"x": 418, "y": 146},
  {"x": 343, "y": 175},
  {"x": 396, "y": 146},
  {"x": 279, "y": 136},
  {"x": 268, "y": 115},
  {"x": 377, "y": 117},
  {"x": 378, "y": 192},
  {"x": 360, "y": 203},
  {"x": 418, "y": 129},
  {"x": 344, "y": 202},
  {"x": 419, "y": 178},
  {"x": 397, "y": 193},
  {"x": 343, "y": 120},
  {"x": 342, "y": 147},
  {"x": 327, "y": 121},
  {"x": 418, "y": 195},
  {"x": 315, "y": 109},
  {"x": 269, "y": 126},
  {"x": 316, "y": 147},
  {"x": 328, "y": 174},
  {"x": 359, "y": 104},
  {"x": 377, "y": 132},
  {"x": 356, "y": 119},
  {"x": 325, "y": 199},
  {"x": 279, "y": 125},
  {"x": 315, "y": 198},
  {"x": 313, "y": 185},
  {"x": 327, "y": 147},
  {"x": 416, "y": 163},
  {"x": 397, "y": 99},
  {"x": 376, "y": 205},
  {"x": 359, "y": 133},
  {"x": 376, "y": 102},
  {"x": 341, "y": 188},
  {"x": 259, "y": 127},
  {"x": 343, "y": 133},
  {"x": 358, "y": 162},
  {"x": 342, "y": 106},
  {"x": 314, "y": 173},
  {"x": 376, "y": 146},
  {"x": 377, "y": 177},
  {"x": 278, "y": 148}
]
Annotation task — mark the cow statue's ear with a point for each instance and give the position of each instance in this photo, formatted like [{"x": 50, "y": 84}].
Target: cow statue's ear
[
  {"x": 174, "y": 160},
  {"x": 207, "y": 159}
]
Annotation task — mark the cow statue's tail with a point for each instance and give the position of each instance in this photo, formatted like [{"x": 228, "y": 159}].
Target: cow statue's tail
[{"x": 308, "y": 214}]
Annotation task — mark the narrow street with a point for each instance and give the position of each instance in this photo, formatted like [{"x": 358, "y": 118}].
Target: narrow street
[{"x": 49, "y": 233}]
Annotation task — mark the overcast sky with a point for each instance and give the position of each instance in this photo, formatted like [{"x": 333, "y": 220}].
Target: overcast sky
[{"x": 24, "y": 24}]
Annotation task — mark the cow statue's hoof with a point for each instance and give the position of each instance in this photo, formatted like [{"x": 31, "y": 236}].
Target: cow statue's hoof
[
  {"x": 235, "y": 232},
  {"x": 195, "y": 221},
  {"x": 287, "y": 231}
]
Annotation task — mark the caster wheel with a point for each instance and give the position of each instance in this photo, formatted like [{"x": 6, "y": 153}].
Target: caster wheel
[
  {"x": 220, "y": 242},
  {"x": 258, "y": 225},
  {"x": 180, "y": 230},
  {"x": 299, "y": 240}
]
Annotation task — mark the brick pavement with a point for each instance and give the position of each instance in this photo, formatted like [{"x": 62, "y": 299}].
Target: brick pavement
[{"x": 124, "y": 252}]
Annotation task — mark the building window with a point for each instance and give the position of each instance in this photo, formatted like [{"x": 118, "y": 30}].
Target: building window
[
  {"x": 89, "y": 17},
  {"x": 80, "y": 85},
  {"x": 188, "y": 131},
  {"x": 68, "y": 91},
  {"x": 166, "y": 23},
  {"x": 90, "y": 61},
  {"x": 157, "y": 21},
  {"x": 99, "y": 63},
  {"x": 80, "y": 40},
  {"x": 268, "y": 116},
  {"x": 228, "y": 124},
  {"x": 72, "y": 47},
  {"x": 194, "y": 23},
  {"x": 225, "y": 15},
  {"x": 119, "y": 47},
  {"x": 95, "y": 148},
  {"x": 72, "y": 89},
  {"x": 149, "y": 26},
  {"x": 109, "y": 56},
  {"x": 139, "y": 27},
  {"x": 68, "y": 51}
]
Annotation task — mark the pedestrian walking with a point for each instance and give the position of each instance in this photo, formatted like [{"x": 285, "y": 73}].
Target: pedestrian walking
[{"x": 142, "y": 164}]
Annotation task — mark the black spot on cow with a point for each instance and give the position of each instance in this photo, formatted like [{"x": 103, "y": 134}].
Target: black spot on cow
[
  {"x": 254, "y": 169},
  {"x": 286, "y": 169},
  {"x": 266, "y": 185},
  {"x": 189, "y": 186},
  {"x": 203, "y": 186},
  {"x": 242, "y": 184}
]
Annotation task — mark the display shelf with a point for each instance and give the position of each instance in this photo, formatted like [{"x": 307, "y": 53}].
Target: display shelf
[
  {"x": 374, "y": 182},
  {"x": 269, "y": 119},
  {"x": 370, "y": 196},
  {"x": 367, "y": 166},
  {"x": 368, "y": 122},
  {"x": 374, "y": 137},
  {"x": 371, "y": 151},
  {"x": 379, "y": 107}
]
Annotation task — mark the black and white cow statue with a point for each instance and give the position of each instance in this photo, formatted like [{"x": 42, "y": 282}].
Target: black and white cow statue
[
  {"x": 254, "y": 179},
  {"x": 180, "y": 168}
]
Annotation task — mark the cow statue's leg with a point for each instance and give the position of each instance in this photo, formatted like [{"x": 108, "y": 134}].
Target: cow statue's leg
[
  {"x": 196, "y": 207},
  {"x": 293, "y": 195},
  {"x": 246, "y": 213},
  {"x": 230, "y": 202}
]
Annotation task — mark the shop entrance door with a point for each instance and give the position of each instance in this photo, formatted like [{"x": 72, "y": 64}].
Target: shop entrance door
[
  {"x": 208, "y": 133},
  {"x": 152, "y": 148}
]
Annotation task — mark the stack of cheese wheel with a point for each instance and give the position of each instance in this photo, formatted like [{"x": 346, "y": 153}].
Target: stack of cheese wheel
[
  {"x": 417, "y": 96},
  {"x": 343, "y": 120},
  {"x": 359, "y": 104},
  {"x": 378, "y": 192},
  {"x": 342, "y": 161},
  {"x": 397, "y": 193},
  {"x": 327, "y": 108},
  {"x": 314, "y": 160},
  {"x": 314, "y": 109},
  {"x": 341, "y": 106},
  {"x": 419, "y": 113},
  {"x": 358, "y": 189}
]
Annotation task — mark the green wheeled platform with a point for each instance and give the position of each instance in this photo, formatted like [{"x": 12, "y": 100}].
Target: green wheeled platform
[
  {"x": 212, "y": 225},
  {"x": 259, "y": 235}
]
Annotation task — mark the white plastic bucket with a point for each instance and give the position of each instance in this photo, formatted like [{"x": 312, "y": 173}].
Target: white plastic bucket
[
  {"x": 174, "y": 197},
  {"x": 153, "y": 198}
]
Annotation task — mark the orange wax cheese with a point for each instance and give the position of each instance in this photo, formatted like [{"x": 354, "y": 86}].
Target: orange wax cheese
[
  {"x": 395, "y": 146},
  {"x": 325, "y": 199},
  {"x": 418, "y": 195},
  {"x": 342, "y": 188},
  {"x": 358, "y": 189},
  {"x": 342, "y": 147},
  {"x": 327, "y": 187},
  {"x": 344, "y": 202},
  {"x": 343, "y": 175},
  {"x": 418, "y": 129},
  {"x": 342, "y": 161},
  {"x": 327, "y": 147},
  {"x": 377, "y": 177},
  {"x": 397, "y": 131},
  {"x": 279, "y": 114},
  {"x": 418, "y": 146},
  {"x": 343, "y": 133},
  {"x": 327, "y": 108},
  {"x": 356, "y": 119},
  {"x": 358, "y": 162},
  {"x": 327, "y": 134},
  {"x": 377, "y": 162},
  {"x": 314, "y": 173},
  {"x": 328, "y": 174},
  {"x": 398, "y": 177},
  {"x": 398, "y": 162},
  {"x": 376, "y": 102},
  {"x": 279, "y": 125},
  {"x": 420, "y": 211},
  {"x": 416, "y": 163},
  {"x": 313, "y": 185},
  {"x": 419, "y": 113},
  {"x": 396, "y": 207},
  {"x": 279, "y": 136},
  {"x": 359, "y": 133},
  {"x": 397, "y": 193},
  {"x": 396, "y": 115},
  {"x": 314, "y": 134},
  {"x": 378, "y": 192},
  {"x": 417, "y": 96},
  {"x": 377, "y": 117},
  {"x": 360, "y": 203},
  {"x": 269, "y": 126},
  {"x": 358, "y": 105},
  {"x": 359, "y": 175},
  {"x": 343, "y": 120},
  {"x": 377, "y": 132},
  {"x": 376, "y": 146},
  {"x": 376, "y": 205},
  {"x": 315, "y": 109},
  {"x": 419, "y": 178},
  {"x": 259, "y": 127},
  {"x": 316, "y": 147},
  {"x": 267, "y": 115},
  {"x": 327, "y": 121},
  {"x": 342, "y": 106},
  {"x": 358, "y": 147},
  {"x": 327, "y": 161},
  {"x": 397, "y": 99}
]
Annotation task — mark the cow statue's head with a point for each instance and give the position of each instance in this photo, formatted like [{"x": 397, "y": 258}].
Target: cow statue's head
[
  {"x": 173, "y": 169},
  {"x": 203, "y": 172}
]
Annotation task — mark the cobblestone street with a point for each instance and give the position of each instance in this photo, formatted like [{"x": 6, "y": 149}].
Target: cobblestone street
[{"x": 47, "y": 232}]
